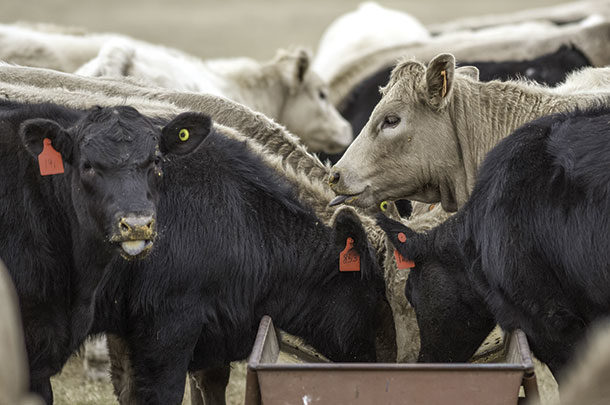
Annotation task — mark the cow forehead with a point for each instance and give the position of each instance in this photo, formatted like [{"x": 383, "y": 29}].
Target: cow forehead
[
  {"x": 312, "y": 79},
  {"x": 118, "y": 137}
]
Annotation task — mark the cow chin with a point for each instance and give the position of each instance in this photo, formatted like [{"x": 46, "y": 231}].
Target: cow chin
[{"x": 135, "y": 249}]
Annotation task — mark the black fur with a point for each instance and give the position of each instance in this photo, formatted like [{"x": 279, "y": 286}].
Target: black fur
[
  {"x": 60, "y": 231},
  {"x": 531, "y": 245},
  {"x": 235, "y": 244},
  {"x": 550, "y": 69}
]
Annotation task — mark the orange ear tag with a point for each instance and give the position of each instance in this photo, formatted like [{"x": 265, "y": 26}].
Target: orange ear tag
[
  {"x": 444, "y": 74},
  {"x": 401, "y": 262},
  {"x": 49, "y": 160},
  {"x": 349, "y": 259}
]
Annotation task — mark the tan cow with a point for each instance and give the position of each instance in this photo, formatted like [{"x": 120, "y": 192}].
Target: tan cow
[{"x": 427, "y": 136}]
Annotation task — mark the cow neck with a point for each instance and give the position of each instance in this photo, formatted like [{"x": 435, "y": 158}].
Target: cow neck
[
  {"x": 485, "y": 113},
  {"x": 258, "y": 92},
  {"x": 89, "y": 263},
  {"x": 311, "y": 312}
]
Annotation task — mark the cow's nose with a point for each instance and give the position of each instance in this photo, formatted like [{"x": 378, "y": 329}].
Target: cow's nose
[
  {"x": 134, "y": 223},
  {"x": 333, "y": 178}
]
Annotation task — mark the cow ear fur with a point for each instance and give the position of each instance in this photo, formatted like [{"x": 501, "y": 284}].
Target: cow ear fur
[
  {"x": 470, "y": 71},
  {"x": 347, "y": 224},
  {"x": 293, "y": 66},
  {"x": 34, "y": 131},
  {"x": 184, "y": 133},
  {"x": 392, "y": 228},
  {"x": 439, "y": 80}
]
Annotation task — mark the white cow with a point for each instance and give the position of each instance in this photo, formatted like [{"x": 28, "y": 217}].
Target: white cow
[
  {"x": 284, "y": 89},
  {"x": 363, "y": 31}
]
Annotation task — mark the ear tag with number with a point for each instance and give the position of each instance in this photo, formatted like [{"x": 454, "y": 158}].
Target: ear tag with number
[
  {"x": 349, "y": 259},
  {"x": 401, "y": 262},
  {"x": 49, "y": 160}
]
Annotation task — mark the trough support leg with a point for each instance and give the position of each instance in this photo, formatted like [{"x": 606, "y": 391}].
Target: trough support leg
[{"x": 208, "y": 386}]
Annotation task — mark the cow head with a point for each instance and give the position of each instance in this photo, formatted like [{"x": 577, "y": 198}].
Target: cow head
[
  {"x": 409, "y": 143},
  {"x": 453, "y": 319},
  {"x": 307, "y": 111},
  {"x": 113, "y": 158},
  {"x": 353, "y": 326}
]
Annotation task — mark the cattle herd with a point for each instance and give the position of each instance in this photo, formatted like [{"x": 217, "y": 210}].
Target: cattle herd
[{"x": 168, "y": 203}]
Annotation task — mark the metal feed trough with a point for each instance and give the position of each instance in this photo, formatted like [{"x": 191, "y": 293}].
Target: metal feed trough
[{"x": 318, "y": 382}]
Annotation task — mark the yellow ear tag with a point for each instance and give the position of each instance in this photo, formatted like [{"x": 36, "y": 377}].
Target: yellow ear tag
[
  {"x": 444, "y": 74},
  {"x": 184, "y": 134},
  {"x": 383, "y": 206}
]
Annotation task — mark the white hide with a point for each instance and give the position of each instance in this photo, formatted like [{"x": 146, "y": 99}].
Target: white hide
[{"x": 363, "y": 31}]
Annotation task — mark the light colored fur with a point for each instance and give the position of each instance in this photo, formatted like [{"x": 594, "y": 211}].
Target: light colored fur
[
  {"x": 284, "y": 89},
  {"x": 509, "y": 43},
  {"x": 434, "y": 152},
  {"x": 49, "y": 47},
  {"x": 363, "y": 31},
  {"x": 586, "y": 382},
  {"x": 14, "y": 385},
  {"x": 562, "y": 13}
]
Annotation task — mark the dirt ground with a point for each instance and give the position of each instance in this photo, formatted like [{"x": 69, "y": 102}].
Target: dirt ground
[{"x": 209, "y": 29}]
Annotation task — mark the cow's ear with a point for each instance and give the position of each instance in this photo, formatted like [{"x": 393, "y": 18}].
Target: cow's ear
[
  {"x": 183, "y": 134},
  {"x": 293, "y": 66},
  {"x": 404, "y": 239},
  {"x": 34, "y": 131},
  {"x": 439, "y": 80},
  {"x": 347, "y": 224}
]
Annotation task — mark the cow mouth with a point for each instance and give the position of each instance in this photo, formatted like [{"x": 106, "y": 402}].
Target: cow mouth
[
  {"x": 344, "y": 198},
  {"x": 133, "y": 249}
]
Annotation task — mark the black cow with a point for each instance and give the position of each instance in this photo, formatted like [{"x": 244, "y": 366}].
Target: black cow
[
  {"x": 60, "y": 231},
  {"x": 235, "y": 244},
  {"x": 550, "y": 69},
  {"x": 530, "y": 249}
]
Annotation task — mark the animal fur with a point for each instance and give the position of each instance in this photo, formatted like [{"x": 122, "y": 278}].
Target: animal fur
[
  {"x": 453, "y": 121},
  {"x": 593, "y": 41}
]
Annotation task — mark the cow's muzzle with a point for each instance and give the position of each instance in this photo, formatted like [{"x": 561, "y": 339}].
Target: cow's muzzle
[{"x": 135, "y": 235}]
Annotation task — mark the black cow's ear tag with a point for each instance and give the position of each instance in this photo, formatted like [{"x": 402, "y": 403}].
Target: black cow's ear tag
[
  {"x": 184, "y": 135},
  {"x": 349, "y": 259},
  {"x": 49, "y": 160},
  {"x": 401, "y": 262}
]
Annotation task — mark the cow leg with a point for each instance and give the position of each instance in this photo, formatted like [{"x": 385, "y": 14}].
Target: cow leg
[
  {"x": 120, "y": 370},
  {"x": 208, "y": 387},
  {"x": 42, "y": 387},
  {"x": 159, "y": 355}
]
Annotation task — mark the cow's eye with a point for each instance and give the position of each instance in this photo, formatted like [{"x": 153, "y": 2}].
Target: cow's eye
[
  {"x": 322, "y": 94},
  {"x": 390, "y": 121},
  {"x": 88, "y": 169}
]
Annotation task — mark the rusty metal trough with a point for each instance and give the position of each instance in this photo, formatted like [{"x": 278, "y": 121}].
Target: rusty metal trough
[{"x": 270, "y": 382}]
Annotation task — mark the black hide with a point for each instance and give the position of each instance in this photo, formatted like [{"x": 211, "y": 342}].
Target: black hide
[
  {"x": 235, "y": 244},
  {"x": 60, "y": 231},
  {"x": 531, "y": 244}
]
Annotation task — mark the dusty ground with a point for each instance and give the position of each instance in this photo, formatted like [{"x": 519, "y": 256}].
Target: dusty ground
[{"x": 214, "y": 28}]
